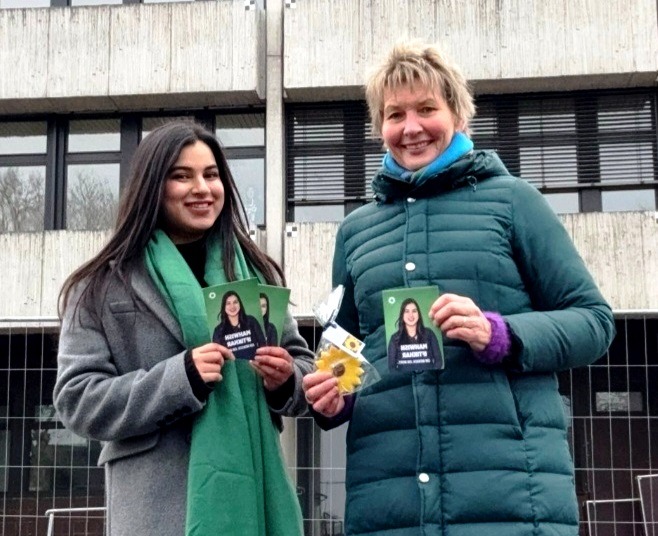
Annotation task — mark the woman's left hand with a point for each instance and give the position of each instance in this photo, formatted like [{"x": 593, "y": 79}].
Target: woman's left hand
[
  {"x": 274, "y": 364},
  {"x": 459, "y": 318}
]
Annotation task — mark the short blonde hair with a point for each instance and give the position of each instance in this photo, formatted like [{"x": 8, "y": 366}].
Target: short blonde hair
[{"x": 415, "y": 64}]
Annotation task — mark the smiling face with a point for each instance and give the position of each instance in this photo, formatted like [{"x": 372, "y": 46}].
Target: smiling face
[
  {"x": 193, "y": 194},
  {"x": 417, "y": 126},
  {"x": 410, "y": 315},
  {"x": 232, "y": 307}
]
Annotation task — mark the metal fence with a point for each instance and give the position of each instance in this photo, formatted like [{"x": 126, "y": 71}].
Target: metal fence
[{"x": 49, "y": 482}]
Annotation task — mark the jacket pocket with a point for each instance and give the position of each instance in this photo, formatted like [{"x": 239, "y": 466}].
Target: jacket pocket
[
  {"x": 506, "y": 396},
  {"x": 118, "y": 307},
  {"x": 115, "y": 450}
]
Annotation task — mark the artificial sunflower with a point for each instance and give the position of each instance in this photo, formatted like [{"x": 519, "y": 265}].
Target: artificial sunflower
[{"x": 343, "y": 366}]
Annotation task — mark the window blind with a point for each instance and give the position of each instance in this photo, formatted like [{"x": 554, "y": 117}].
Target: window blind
[{"x": 558, "y": 142}]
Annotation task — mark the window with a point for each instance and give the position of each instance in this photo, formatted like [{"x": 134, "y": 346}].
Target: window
[
  {"x": 6, "y": 4},
  {"x": 243, "y": 138},
  {"x": 92, "y": 196},
  {"x": 566, "y": 203},
  {"x": 94, "y": 2},
  {"x": 23, "y": 138},
  {"x": 625, "y": 200},
  {"x": 331, "y": 158},
  {"x": 249, "y": 176},
  {"x": 586, "y": 151},
  {"x": 164, "y": 1},
  {"x": 598, "y": 148},
  {"x": 97, "y": 135},
  {"x": 21, "y": 198},
  {"x": 67, "y": 173},
  {"x": 150, "y": 123},
  {"x": 22, "y": 176},
  {"x": 92, "y": 174}
]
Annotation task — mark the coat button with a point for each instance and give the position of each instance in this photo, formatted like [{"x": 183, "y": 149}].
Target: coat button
[
  {"x": 410, "y": 267},
  {"x": 411, "y": 200},
  {"x": 424, "y": 478}
]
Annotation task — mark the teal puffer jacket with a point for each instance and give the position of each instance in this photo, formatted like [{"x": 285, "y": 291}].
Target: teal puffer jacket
[{"x": 473, "y": 450}]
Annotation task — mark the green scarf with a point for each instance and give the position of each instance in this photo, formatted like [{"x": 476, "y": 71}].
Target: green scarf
[{"x": 237, "y": 482}]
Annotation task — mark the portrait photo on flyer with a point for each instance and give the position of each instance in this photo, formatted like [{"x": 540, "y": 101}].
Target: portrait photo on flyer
[
  {"x": 234, "y": 317},
  {"x": 414, "y": 342},
  {"x": 273, "y": 307}
]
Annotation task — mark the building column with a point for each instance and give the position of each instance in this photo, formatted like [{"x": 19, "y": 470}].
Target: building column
[
  {"x": 274, "y": 132},
  {"x": 275, "y": 185}
]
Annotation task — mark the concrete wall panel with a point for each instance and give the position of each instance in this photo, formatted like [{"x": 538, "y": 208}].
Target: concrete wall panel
[
  {"x": 140, "y": 49},
  {"x": 620, "y": 249},
  {"x": 63, "y": 252},
  {"x": 23, "y": 56},
  {"x": 502, "y": 45},
  {"x": 78, "y": 52},
  {"x": 21, "y": 264},
  {"x": 142, "y": 56}
]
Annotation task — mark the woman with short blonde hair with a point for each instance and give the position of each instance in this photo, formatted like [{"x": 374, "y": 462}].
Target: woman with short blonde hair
[
  {"x": 414, "y": 64},
  {"x": 478, "y": 447}
]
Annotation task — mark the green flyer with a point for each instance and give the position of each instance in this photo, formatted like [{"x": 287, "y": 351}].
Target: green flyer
[
  {"x": 234, "y": 318},
  {"x": 414, "y": 342},
  {"x": 273, "y": 307}
]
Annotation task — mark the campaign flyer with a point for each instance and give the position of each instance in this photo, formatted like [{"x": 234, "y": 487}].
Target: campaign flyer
[
  {"x": 234, "y": 317},
  {"x": 414, "y": 342},
  {"x": 273, "y": 306}
]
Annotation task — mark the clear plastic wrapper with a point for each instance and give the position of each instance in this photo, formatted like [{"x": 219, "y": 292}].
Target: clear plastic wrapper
[{"x": 339, "y": 352}]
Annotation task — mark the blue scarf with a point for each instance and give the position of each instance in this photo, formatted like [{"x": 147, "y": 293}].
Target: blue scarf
[{"x": 459, "y": 146}]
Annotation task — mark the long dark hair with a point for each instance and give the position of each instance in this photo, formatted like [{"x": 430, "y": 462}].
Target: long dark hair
[
  {"x": 266, "y": 316},
  {"x": 402, "y": 330},
  {"x": 140, "y": 213},
  {"x": 242, "y": 315}
]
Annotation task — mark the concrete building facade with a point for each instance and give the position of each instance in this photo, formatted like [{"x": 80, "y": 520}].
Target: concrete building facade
[{"x": 566, "y": 91}]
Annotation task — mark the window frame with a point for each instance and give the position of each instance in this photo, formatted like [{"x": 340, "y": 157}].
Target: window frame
[
  {"x": 56, "y": 158},
  {"x": 501, "y": 119}
]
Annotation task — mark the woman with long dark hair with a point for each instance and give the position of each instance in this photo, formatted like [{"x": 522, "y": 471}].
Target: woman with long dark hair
[
  {"x": 234, "y": 320},
  {"x": 190, "y": 435},
  {"x": 413, "y": 346}
]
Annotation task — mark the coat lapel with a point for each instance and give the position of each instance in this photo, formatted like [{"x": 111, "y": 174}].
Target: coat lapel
[{"x": 146, "y": 291}]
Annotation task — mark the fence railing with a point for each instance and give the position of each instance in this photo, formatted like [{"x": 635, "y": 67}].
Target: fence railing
[{"x": 72, "y": 512}]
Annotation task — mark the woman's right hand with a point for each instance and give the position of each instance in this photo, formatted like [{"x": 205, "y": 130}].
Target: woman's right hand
[
  {"x": 321, "y": 392},
  {"x": 209, "y": 360}
]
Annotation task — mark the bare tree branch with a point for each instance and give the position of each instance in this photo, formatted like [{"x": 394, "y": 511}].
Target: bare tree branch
[
  {"x": 21, "y": 201},
  {"x": 91, "y": 203}
]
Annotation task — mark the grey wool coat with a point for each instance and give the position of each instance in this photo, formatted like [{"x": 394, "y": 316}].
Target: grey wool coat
[{"x": 121, "y": 379}]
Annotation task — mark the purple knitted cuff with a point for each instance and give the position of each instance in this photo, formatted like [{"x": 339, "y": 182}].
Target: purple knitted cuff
[{"x": 500, "y": 344}]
